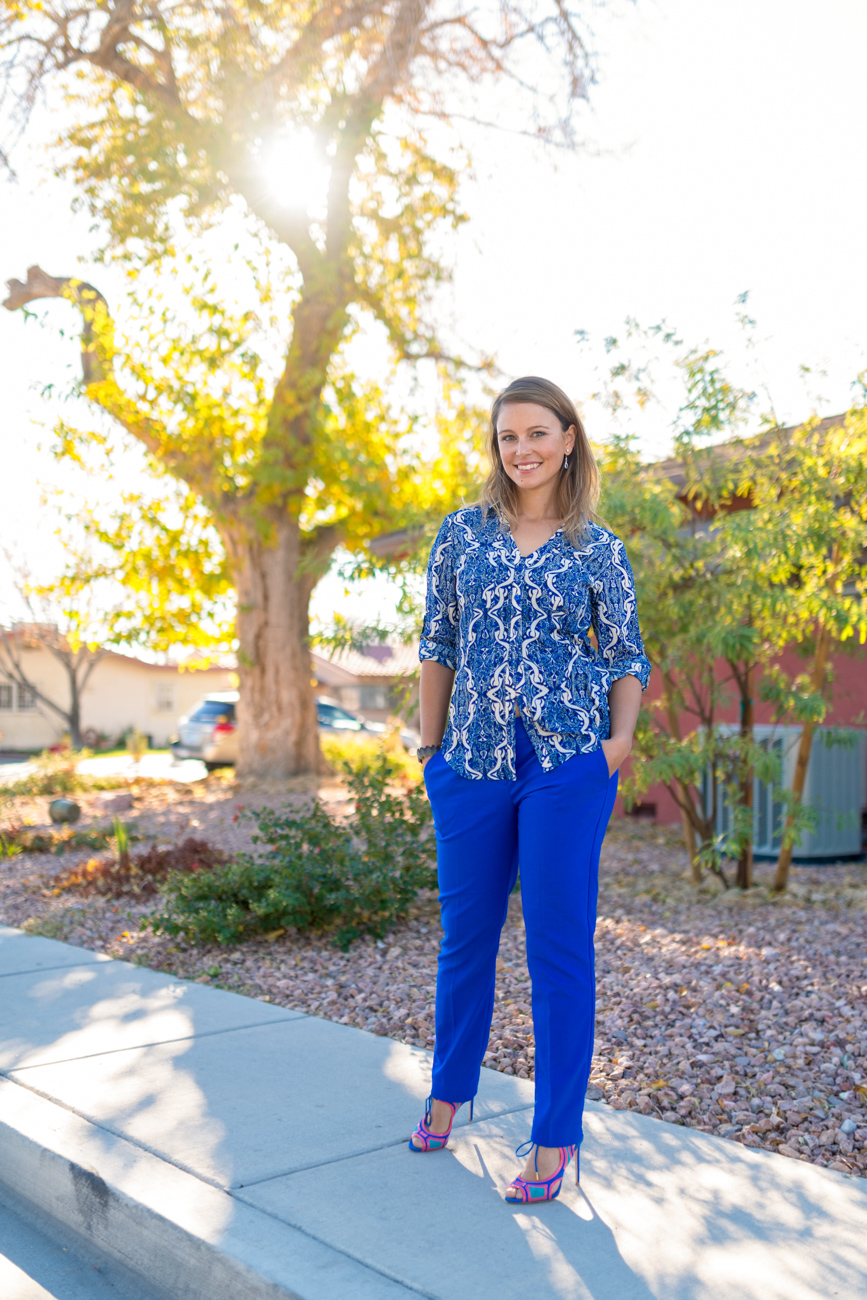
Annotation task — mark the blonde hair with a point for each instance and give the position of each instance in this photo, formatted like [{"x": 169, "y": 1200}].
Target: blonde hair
[{"x": 578, "y": 485}]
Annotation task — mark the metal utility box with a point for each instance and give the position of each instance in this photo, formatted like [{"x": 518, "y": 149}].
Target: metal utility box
[{"x": 835, "y": 787}]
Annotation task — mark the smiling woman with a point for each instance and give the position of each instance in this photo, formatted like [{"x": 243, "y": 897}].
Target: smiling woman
[
  {"x": 524, "y": 724},
  {"x": 543, "y": 473}
]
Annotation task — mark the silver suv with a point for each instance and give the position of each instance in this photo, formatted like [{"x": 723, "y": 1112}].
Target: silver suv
[{"x": 210, "y": 731}]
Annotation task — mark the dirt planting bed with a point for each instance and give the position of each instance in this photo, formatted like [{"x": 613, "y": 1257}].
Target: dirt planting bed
[{"x": 741, "y": 1015}]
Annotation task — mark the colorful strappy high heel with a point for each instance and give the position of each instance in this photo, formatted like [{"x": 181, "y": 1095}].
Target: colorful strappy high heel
[
  {"x": 546, "y": 1189},
  {"x": 435, "y": 1141}
]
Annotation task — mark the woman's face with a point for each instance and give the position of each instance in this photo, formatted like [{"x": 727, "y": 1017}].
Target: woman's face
[{"x": 532, "y": 444}]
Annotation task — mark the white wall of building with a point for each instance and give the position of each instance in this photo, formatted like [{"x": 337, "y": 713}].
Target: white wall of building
[{"x": 122, "y": 692}]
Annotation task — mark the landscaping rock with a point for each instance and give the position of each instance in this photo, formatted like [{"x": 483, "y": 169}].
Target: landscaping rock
[
  {"x": 740, "y": 1016},
  {"x": 64, "y": 811},
  {"x": 112, "y": 805}
]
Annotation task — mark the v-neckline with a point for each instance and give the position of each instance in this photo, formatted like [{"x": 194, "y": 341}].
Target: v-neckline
[{"x": 536, "y": 549}]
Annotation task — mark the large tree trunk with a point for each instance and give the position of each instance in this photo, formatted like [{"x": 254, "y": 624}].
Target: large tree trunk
[
  {"x": 817, "y": 681},
  {"x": 278, "y": 732}
]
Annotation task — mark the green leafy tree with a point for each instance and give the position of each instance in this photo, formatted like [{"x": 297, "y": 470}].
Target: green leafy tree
[
  {"x": 186, "y": 122},
  {"x": 804, "y": 545},
  {"x": 693, "y": 626},
  {"x": 743, "y": 548},
  {"x": 695, "y": 620}
]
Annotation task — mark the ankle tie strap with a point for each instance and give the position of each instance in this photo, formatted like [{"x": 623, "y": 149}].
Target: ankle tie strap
[{"x": 524, "y": 1150}]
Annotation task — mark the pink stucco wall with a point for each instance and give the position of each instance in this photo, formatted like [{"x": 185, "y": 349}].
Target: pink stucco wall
[{"x": 849, "y": 708}]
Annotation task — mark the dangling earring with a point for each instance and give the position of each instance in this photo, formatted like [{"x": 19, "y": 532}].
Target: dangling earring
[{"x": 565, "y": 462}]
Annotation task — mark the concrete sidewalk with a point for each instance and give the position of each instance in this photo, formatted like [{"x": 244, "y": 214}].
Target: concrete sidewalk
[{"x": 223, "y": 1147}]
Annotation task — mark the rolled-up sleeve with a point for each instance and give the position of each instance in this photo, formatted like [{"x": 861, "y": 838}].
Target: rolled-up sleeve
[
  {"x": 615, "y": 613},
  {"x": 439, "y": 633}
]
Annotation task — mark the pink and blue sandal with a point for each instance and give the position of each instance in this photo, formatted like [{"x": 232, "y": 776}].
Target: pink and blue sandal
[
  {"x": 435, "y": 1141},
  {"x": 547, "y": 1189}
]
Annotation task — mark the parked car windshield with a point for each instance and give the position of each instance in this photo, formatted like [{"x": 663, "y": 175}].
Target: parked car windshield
[
  {"x": 213, "y": 711},
  {"x": 331, "y": 716}
]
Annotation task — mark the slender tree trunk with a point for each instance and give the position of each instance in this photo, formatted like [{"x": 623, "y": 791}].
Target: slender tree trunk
[
  {"x": 817, "y": 681},
  {"x": 278, "y": 733},
  {"x": 689, "y": 837},
  {"x": 685, "y": 796},
  {"x": 73, "y": 717},
  {"x": 744, "y": 879},
  {"x": 11, "y": 670}
]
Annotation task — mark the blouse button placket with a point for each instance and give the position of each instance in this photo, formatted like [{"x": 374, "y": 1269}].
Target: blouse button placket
[
  {"x": 516, "y": 656},
  {"x": 518, "y": 588}
]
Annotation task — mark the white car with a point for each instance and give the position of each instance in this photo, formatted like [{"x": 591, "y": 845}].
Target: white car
[{"x": 210, "y": 731}]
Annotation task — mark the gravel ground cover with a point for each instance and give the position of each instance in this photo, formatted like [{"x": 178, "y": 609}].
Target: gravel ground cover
[{"x": 740, "y": 1015}]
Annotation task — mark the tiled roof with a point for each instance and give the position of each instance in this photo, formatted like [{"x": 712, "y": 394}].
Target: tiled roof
[
  {"x": 672, "y": 468},
  {"x": 373, "y": 660}
]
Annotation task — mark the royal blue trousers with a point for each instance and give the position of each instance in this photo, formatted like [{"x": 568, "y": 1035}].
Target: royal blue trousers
[{"x": 551, "y": 824}]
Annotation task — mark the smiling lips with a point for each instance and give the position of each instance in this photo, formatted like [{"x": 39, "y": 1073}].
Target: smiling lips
[{"x": 536, "y": 464}]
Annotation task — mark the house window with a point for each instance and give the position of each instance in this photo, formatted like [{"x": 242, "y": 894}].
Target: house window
[
  {"x": 5, "y": 695},
  {"x": 374, "y": 697},
  {"x": 349, "y": 696},
  {"x": 26, "y": 699},
  {"x": 164, "y": 700}
]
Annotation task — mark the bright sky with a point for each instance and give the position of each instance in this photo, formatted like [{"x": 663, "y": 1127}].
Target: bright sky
[{"x": 725, "y": 153}]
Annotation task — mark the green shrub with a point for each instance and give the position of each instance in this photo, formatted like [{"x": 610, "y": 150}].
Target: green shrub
[
  {"x": 348, "y": 754},
  {"x": 315, "y": 873}
]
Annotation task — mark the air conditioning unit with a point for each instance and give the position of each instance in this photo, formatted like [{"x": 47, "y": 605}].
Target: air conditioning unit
[{"x": 835, "y": 788}]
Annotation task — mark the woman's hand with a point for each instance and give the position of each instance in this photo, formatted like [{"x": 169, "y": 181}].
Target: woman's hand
[
  {"x": 615, "y": 751},
  {"x": 435, "y": 690},
  {"x": 624, "y": 703}
]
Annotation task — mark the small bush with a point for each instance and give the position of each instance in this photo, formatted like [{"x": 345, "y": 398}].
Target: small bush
[
  {"x": 139, "y": 874},
  {"x": 349, "y": 755},
  {"x": 316, "y": 873}
]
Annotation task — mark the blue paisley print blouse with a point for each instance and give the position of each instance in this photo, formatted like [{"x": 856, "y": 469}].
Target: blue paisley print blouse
[{"x": 516, "y": 629}]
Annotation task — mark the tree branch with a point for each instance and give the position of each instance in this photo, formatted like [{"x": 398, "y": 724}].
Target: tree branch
[
  {"x": 288, "y": 224},
  {"x": 327, "y": 22},
  {"x": 394, "y": 59},
  {"x": 11, "y": 669},
  {"x": 317, "y": 547},
  {"x": 95, "y": 363},
  {"x": 97, "y": 348},
  {"x": 107, "y": 55}
]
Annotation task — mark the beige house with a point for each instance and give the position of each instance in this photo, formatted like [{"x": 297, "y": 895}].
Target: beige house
[
  {"x": 371, "y": 680},
  {"x": 125, "y": 692},
  {"x": 122, "y": 692}
]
